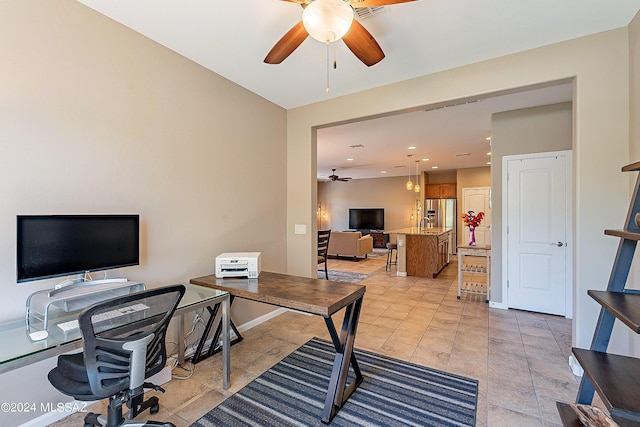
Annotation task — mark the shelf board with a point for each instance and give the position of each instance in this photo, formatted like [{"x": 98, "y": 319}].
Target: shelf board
[
  {"x": 615, "y": 379},
  {"x": 625, "y": 234},
  {"x": 632, "y": 167},
  {"x": 625, "y": 307},
  {"x": 474, "y": 268}
]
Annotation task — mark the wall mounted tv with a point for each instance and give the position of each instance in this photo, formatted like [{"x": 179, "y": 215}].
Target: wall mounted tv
[
  {"x": 61, "y": 245},
  {"x": 366, "y": 219}
]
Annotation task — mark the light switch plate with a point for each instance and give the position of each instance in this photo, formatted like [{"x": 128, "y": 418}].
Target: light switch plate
[{"x": 300, "y": 229}]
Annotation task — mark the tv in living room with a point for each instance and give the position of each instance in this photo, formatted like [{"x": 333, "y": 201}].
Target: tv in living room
[{"x": 366, "y": 219}]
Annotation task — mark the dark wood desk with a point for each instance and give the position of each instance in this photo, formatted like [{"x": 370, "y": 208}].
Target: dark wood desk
[{"x": 314, "y": 296}]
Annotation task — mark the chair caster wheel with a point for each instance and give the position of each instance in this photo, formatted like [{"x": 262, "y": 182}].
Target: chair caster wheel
[
  {"x": 458, "y": 297},
  {"x": 154, "y": 409}
]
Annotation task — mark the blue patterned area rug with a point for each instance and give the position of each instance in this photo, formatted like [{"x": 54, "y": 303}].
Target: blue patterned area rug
[
  {"x": 393, "y": 393},
  {"x": 343, "y": 276}
]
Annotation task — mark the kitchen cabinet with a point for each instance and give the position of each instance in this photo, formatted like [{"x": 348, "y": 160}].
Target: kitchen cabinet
[
  {"x": 427, "y": 252},
  {"x": 441, "y": 191}
]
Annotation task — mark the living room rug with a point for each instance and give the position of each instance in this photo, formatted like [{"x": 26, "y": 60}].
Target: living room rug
[
  {"x": 393, "y": 393},
  {"x": 343, "y": 276}
]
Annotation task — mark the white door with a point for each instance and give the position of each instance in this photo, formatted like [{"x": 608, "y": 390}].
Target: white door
[
  {"x": 538, "y": 197},
  {"x": 477, "y": 199}
]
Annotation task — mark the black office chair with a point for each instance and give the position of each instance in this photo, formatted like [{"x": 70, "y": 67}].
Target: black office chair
[
  {"x": 323, "y": 248},
  {"x": 124, "y": 343}
]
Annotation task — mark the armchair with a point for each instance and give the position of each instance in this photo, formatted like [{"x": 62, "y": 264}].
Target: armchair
[{"x": 123, "y": 344}]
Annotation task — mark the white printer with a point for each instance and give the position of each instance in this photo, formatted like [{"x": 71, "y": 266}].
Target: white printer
[{"x": 238, "y": 264}]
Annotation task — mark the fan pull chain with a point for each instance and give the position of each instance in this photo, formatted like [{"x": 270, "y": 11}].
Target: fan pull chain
[
  {"x": 335, "y": 64},
  {"x": 327, "y": 89}
]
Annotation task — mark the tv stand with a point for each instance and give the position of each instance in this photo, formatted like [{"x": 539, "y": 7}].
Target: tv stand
[{"x": 55, "y": 304}]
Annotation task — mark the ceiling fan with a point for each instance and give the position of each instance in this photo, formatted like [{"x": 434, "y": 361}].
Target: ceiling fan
[
  {"x": 334, "y": 177},
  {"x": 329, "y": 21}
]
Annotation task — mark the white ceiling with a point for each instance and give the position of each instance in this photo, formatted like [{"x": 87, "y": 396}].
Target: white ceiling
[{"x": 232, "y": 37}]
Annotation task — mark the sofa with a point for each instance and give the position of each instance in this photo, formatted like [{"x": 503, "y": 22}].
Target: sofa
[{"x": 350, "y": 243}]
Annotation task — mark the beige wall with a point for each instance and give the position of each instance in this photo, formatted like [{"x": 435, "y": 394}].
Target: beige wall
[
  {"x": 526, "y": 131},
  {"x": 388, "y": 193},
  {"x": 95, "y": 118},
  {"x": 600, "y": 66}
]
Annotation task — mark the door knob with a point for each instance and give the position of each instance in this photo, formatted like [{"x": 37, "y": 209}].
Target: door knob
[{"x": 559, "y": 244}]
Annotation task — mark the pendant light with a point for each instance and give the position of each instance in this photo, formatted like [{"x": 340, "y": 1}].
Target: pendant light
[
  {"x": 416, "y": 188},
  {"x": 409, "y": 183}
]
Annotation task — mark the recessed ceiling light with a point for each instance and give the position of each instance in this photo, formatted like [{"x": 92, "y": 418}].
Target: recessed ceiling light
[
  {"x": 425, "y": 160},
  {"x": 412, "y": 148},
  {"x": 488, "y": 163},
  {"x": 489, "y": 153},
  {"x": 488, "y": 138},
  {"x": 434, "y": 167},
  {"x": 383, "y": 171},
  {"x": 349, "y": 159}
]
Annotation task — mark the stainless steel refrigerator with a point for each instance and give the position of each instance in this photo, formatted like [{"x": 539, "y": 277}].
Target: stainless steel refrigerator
[{"x": 442, "y": 213}]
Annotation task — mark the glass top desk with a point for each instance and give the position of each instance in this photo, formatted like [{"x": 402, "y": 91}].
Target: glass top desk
[{"x": 18, "y": 350}]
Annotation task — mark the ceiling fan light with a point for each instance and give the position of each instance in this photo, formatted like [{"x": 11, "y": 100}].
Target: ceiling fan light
[{"x": 327, "y": 20}]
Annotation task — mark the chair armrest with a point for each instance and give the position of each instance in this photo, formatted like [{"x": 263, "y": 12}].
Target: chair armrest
[{"x": 365, "y": 245}]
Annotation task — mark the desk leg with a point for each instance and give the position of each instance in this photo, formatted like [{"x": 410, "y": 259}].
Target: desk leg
[
  {"x": 180, "y": 325},
  {"x": 226, "y": 350},
  {"x": 338, "y": 391},
  {"x": 213, "y": 347}
]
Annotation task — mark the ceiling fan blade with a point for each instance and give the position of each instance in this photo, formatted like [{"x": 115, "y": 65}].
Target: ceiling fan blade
[
  {"x": 363, "y": 45},
  {"x": 287, "y": 44},
  {"x": 375, "y": 3}
]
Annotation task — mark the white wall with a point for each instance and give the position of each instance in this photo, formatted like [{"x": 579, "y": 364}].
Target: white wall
[
  {"x": 600, "y": 66},
  {"x": 95, "y": 118}
]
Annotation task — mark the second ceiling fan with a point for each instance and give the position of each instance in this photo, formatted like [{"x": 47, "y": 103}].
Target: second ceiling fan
[{"x": 328, "y": 21}]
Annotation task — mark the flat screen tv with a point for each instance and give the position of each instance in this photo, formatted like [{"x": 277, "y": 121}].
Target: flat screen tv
[
  {"x": 60, "y": 245},
  {"x": 366, "y": 219}
]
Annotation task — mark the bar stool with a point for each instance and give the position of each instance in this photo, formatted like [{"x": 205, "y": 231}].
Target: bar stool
[{"x": 390, "y": 248}]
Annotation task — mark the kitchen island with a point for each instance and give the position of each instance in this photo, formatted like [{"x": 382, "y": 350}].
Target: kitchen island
[{"x": 422, "y": 252}]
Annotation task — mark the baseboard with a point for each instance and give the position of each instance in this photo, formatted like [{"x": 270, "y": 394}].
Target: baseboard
[
  {"x": 401, "y": 274},
  {"x": 500, "y": 305},
  {"x": 575, "y": 366},
  {"x": 261, "y": 319}
]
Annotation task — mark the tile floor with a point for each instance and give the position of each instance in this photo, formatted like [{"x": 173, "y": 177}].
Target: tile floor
[{"x": 520, "y": 358}]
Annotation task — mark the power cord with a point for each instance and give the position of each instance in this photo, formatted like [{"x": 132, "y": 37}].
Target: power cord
[{"x": 190, "y": 340}]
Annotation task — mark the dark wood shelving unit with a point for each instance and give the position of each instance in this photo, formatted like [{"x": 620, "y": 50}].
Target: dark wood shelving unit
[
  {"x": 615, "y": 378},
  {"x": 625, "y": 307}
]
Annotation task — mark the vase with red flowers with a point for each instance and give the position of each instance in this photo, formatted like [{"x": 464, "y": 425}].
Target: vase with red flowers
[{"x": 472, "y": 220}]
